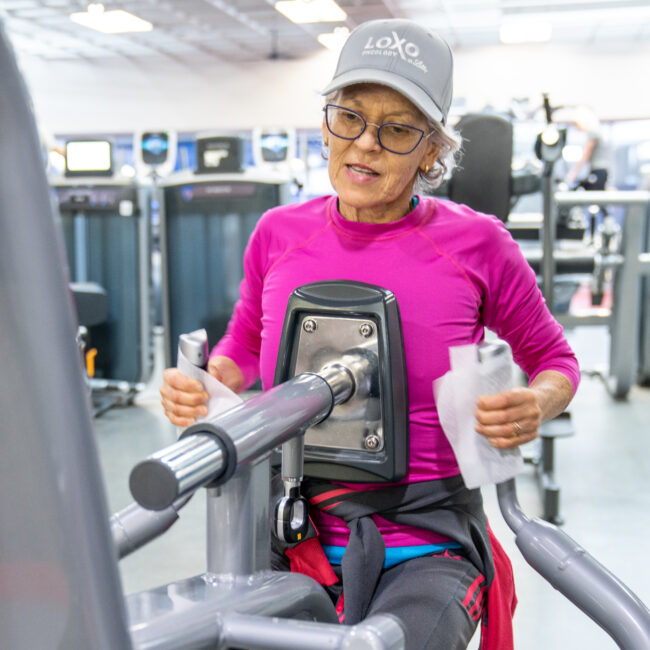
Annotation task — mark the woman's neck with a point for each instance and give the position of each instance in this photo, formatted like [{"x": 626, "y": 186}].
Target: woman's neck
[{"x": 376, "y": 215}]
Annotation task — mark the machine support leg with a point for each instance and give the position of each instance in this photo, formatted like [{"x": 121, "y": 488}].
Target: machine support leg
[
  {"x": 550, "y": 489},
  {"x": 238, "y": 515},
  {"x": 624, "y": 340}
]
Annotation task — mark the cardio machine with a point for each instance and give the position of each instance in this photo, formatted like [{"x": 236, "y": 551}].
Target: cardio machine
[{"x": 104, "y": 221}]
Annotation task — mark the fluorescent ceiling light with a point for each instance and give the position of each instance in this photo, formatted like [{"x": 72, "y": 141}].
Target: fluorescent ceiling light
[
  {"x": 116, "y": 21},
  {"x": 311, "y": 11},
  {"x": 525, "y": 32},
  {"x": 334, "y": 40}
]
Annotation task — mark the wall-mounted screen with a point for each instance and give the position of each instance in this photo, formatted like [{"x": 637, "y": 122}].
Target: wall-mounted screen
[
  {"x": 88, "y": 158},
  {"x": 219, "y": 154},
  {"x": 274, "y": 146},
  {"x": 155, "y": 147}
]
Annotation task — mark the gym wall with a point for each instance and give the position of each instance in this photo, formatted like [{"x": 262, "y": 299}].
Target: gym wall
[{"x": 122, "y": 96}]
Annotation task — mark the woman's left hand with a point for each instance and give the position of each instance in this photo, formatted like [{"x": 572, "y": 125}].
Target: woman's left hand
[{"x": 509, "y": 419}]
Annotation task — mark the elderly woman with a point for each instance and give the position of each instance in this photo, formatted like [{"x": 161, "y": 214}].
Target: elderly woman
[{"x": 453, "y": 272}]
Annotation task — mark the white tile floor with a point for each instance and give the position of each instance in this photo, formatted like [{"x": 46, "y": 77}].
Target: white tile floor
[{"x": 604, "y": 473}]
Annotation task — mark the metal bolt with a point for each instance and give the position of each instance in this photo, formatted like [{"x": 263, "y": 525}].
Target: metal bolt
[
  {"x": 309, "y": 325},
  {"x": 366, "y": 330},
  {"x": 371, "y": 441}
]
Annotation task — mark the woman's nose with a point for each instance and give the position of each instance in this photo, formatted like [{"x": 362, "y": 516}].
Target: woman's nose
[{"x": 369, "y": 139}]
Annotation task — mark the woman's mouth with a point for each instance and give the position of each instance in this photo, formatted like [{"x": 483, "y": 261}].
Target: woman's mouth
[{"x": 362, "y": 170}]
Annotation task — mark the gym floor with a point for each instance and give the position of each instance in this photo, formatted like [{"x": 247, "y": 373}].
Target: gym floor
[{"x": 603, "y": 471}]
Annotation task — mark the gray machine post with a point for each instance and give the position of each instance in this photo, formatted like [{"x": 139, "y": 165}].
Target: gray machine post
[
  {"x": 549, "y": 149},
  {"x": 577, "y": 575},
  {"x": 135, "y": 526},
  {"x": 60, "y": 583},
  {"x": 644, "y": 350}
]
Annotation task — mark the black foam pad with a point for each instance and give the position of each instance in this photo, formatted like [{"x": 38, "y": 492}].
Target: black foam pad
[
  {"x": 91, "y": 302},
  {"x": 483, "y": 180}
]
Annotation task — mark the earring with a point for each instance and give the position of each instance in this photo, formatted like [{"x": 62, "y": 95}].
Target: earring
[{"x": 425, "y": 171}]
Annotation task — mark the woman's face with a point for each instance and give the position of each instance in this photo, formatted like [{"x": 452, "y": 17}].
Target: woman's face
[{"x": 373, "y": 184}]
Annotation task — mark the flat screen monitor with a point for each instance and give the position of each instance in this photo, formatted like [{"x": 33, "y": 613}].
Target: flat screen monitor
[
  {"x": 274, "y": 146},
  {"x": 219, "y": 154},
  {"x": 155, "y": 147},
  {"x": 88, "y": 158}
]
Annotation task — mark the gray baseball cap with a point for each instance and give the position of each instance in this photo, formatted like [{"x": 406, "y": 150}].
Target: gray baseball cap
[{"x": 403, "y": 55}]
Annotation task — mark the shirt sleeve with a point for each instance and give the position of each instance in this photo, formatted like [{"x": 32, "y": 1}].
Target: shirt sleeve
[
  {"x": 516, "y": 311},
  {"x": 242, "y": 339}
]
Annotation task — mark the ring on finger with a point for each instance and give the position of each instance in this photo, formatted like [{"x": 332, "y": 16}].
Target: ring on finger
[{"x": 517, "y": 428}]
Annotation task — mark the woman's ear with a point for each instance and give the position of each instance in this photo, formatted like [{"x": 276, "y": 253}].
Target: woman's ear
[
  {"x": 433, "y": 151},
  {"x": 429, "y": 157}
]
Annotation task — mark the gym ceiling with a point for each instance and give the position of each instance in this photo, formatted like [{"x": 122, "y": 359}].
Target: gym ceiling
[{"x": 195, "y": 31}]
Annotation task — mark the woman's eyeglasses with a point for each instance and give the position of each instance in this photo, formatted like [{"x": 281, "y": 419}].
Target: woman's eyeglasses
[{"x": 394, "y": 137}]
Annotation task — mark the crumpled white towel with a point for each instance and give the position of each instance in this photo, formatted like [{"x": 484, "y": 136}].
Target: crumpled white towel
[{"x": 456, "y": 393}]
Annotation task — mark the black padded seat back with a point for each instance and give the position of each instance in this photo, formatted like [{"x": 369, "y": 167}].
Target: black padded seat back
[{"x": 483, "y": 179}]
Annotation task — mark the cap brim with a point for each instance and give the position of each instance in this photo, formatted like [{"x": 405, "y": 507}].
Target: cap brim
[{"x": 411, "y": 91}]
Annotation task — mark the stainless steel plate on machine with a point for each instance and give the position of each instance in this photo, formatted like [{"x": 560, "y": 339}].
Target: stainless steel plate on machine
[{"x": 353, "y": 343}]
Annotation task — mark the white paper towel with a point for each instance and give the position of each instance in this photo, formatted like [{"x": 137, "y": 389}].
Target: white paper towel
[
  {"x": 221, "y": 397},
  {"x": 456, "y": 394}
]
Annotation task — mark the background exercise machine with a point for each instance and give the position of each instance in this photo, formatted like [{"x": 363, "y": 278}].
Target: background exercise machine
[
  {"x": 562, "y": 255},
  {"x": 105, "y": 223},
  {"x": 207, "y": 217}
]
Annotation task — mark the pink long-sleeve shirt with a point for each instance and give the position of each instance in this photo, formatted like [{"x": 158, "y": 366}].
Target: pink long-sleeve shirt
[{"x": 453, "y": 272}]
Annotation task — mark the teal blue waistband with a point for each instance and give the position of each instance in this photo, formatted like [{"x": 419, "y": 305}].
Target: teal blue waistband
[{"x": 394, "y": 554}]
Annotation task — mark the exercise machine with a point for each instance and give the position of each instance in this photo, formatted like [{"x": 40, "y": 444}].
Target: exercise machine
[
  {"x": 207, "y": 216},
  {"x": 622, "y": 254},
  {"x": 630, "y": 267},
  {"x": 619, "y": 253},
  {"x": 487, "y": 183},
  {"x": 61, "y": 586},
  {"x": 104, "y": 219},
  {"x": 230, "y": 455}
]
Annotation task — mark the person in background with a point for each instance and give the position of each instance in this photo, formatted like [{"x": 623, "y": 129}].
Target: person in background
[
  {"x": 594, "y": 155},
  {"x": 419, "y": 549}
]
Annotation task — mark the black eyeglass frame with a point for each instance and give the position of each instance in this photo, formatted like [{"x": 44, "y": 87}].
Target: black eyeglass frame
[{"x": 379, "y": 128}]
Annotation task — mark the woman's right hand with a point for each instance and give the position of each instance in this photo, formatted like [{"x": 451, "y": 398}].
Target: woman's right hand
[{"x": 185, "y": 399}]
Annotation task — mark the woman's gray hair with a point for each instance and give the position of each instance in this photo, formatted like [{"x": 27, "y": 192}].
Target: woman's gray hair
[
  {"x": 446, "y": 137},
  {"x": 450, "y": 142}
]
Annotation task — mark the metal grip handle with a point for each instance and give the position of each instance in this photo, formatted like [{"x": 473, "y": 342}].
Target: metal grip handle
[
  {"x": 194, "y": 347},
  {"x": 176, "y": 471},
  {"x": 292, "y": 517}
]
